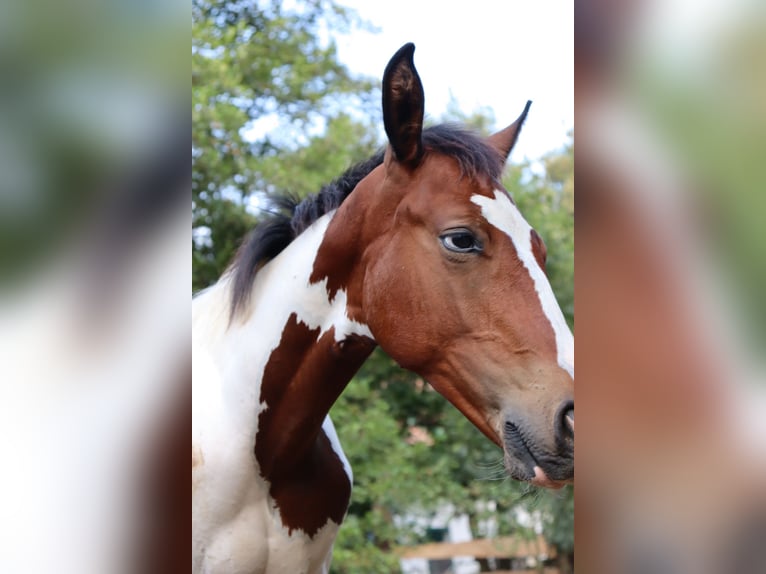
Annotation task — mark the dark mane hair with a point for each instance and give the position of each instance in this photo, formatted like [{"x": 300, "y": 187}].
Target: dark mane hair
[{"x": 287, "y": 217}]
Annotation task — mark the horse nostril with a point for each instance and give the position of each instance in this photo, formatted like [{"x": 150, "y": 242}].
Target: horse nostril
[{"x": 565, "y": 420}]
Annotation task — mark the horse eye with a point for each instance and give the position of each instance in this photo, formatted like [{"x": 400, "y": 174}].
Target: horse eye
[{"x": 461, "y": 241}]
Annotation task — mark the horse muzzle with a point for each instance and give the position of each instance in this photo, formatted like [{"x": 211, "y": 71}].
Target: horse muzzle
[{"x": 540, "y": 454}]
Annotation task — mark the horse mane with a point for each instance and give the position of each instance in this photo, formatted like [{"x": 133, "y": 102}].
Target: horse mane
[{"x": 287, "y": 217}]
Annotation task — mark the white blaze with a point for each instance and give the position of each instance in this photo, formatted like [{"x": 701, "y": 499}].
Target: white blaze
[{"x": 503, "y": 214}]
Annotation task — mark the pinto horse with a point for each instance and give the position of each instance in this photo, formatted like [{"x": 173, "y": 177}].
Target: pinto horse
[{"x": 420, "y": 250}]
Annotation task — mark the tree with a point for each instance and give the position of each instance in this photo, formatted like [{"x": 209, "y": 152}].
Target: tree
[{"x": 256, "y": 62}]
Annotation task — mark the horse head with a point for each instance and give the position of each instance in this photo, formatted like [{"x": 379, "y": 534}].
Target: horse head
[{"x": 450, "y": 279}]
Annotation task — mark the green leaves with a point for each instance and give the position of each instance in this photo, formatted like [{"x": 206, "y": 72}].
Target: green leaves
[{"x": 264, "y": 78}]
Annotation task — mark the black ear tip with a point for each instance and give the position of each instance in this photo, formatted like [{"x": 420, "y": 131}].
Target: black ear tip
[
  {"x": 523, "y": 115},
  {"x": 407, "y": 50},
  {"x": 405, "y": 53},
  {"x": 403, "y": 59}
]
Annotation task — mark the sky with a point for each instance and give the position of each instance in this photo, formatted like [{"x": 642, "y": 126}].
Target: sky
[{"x": 485, "y": 53}]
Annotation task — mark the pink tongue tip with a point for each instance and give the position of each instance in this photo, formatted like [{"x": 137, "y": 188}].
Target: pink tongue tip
[{"x": 541, "y": 479}]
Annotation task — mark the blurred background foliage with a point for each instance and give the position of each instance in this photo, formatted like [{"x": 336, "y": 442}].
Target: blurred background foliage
[
  {"x": 273, "y": 110},
  {"x": 91, "y": 94},
  {"x": 709, "y": 109}
]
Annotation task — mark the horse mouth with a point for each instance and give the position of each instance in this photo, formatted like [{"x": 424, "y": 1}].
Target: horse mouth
[{"x": 542, "y": 470}]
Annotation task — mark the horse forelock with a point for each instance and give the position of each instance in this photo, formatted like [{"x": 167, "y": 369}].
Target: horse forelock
[{"x": 475, "y": 157}]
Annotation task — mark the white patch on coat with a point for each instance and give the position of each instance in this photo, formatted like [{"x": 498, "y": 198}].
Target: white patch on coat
[
  {"x": 329, "y": 430},
  {"x": 503, "y": 214},
  {"x": 235, "y": 527}
]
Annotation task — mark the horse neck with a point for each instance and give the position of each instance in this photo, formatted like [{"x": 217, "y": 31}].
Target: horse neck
[{"x": 293, "y": 351}]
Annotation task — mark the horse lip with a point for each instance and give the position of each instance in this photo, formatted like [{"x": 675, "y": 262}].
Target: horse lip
[
  {"x": 518, "y": 448},
  {"x": 541, "y": 479}
]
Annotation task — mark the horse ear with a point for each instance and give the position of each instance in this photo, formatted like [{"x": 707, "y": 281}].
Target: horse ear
[
  {"x": 504, "y": 140},
  {"x": 403, "y": 106}
]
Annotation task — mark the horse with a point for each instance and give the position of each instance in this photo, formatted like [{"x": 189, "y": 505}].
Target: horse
[{"x": 419, "y": 250}]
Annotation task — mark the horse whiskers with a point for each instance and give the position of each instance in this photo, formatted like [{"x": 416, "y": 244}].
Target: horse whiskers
[
  {"x": 499, "y": 478},
  {"x": 491, "y": 471},
  {"x": 485, "y": 465}
]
